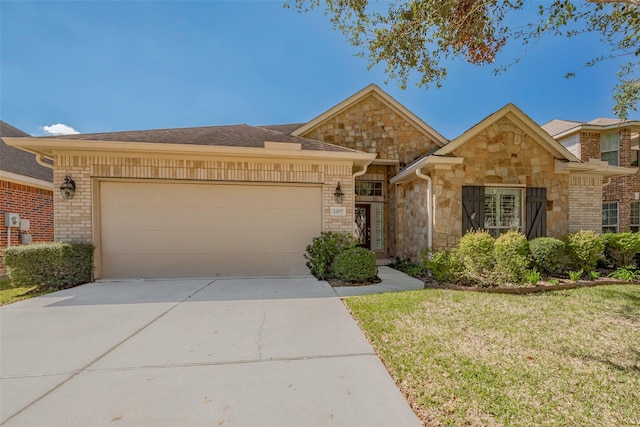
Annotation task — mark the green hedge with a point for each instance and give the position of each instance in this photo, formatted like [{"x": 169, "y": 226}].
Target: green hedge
[
  {"x": 355, "y": 265},
  {"x": 511, "y": 252},
  {"x": 548, "y": 254},
  {"x": 621, "y": 249},
  {"x": 585, "y": 249},
  {"x": 323, "y": 250},
  {"x": 50, "y": 266}
]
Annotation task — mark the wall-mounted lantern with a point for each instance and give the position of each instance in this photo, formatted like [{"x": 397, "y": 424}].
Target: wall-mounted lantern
[
  {"x": 68, "y": 188},
  {"x": 338, "y": 194}
]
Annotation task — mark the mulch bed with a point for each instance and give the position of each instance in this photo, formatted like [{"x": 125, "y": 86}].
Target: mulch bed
[
  {"x": 339, "y": 283},
  {"x": 541, "y": 287}
]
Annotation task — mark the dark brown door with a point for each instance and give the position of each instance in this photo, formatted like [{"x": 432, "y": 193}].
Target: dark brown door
[{"x": 363, "y": 225}]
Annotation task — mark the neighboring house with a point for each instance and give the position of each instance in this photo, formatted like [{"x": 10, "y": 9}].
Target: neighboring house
[
  {"x": 26, "y": 189},
  {"x": 616, "y": 142},
  {"x": 246, "y": 200}
]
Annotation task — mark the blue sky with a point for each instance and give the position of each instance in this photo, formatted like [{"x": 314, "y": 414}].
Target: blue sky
[{"x": 118, "y": 65}]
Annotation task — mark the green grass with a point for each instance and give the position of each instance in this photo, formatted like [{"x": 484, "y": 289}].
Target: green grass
[
  {"x": 564, "y": 358},
  {"x": 9, "y": 294}
]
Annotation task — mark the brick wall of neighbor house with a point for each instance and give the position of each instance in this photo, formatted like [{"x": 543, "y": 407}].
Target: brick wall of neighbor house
[
  {"x": 34, "y": 204},
  {"x": 503, "y": 155},
  {"x": 74, "y": 217},
  {"x": 621, "y": 189}
]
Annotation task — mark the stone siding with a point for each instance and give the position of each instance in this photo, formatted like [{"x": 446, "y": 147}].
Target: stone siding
[
  {"x": 371, "y": 126},
  {"x": 501, "y": 155}
]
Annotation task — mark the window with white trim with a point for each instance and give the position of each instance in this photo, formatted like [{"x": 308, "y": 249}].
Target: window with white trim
[
  {"x": 609, "y": 148},
  {"x": 610, "y": 217},
  {"x": 634, "y": 223},
  {"x": 368, "y": 188},
  {"x": 502, "y": 210}
]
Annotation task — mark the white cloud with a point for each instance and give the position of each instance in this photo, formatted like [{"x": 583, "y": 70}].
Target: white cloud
[{"x": 59, "y": 129}]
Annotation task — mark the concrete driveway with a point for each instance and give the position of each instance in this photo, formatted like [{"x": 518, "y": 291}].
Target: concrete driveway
[{"x": 242, "y": 352}]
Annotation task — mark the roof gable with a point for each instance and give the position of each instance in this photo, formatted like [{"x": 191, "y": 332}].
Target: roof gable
[
  {"x": 386, "y": 99},
  {"x": 520, "y": 119}
]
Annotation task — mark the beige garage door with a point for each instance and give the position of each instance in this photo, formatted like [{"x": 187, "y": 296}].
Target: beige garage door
[{"x": 156, "y": 229}]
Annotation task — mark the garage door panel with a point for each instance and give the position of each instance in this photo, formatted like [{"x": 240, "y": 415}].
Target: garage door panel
[
  {"x": 210, "y": 241},
  {"x": 194, "y": 230}
]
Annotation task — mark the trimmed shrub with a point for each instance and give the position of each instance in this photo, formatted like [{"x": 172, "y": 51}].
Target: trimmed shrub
[
  {"x": 511, "y": 251},
  {"x": 443, "y": 265},
  {"x": 408, "y": 267},
  {"x": 621, "y": 249},
  {"x": 50, "y": 266},
  {"x": 475, "y": 253},
  {"x": 322, "y": 251},
  {"x": 584, "y": 248},
  {"x": 355, "y": 265},
  {"x": 548, "y": 254}
]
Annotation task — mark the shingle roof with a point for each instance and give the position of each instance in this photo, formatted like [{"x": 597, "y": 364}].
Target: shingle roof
[
  {"x": 286, "y": 128},
  {"x": 604, "y": 121},
  {"x": 556, "y": 127},
  {"x": 232, "y": 136},
  {"x": 18, "y": 161}
]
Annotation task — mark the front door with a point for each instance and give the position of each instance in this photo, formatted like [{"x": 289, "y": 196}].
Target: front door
[{"x": 363, "y": 225}]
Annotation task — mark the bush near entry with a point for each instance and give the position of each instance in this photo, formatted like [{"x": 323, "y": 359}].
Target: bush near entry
[
  {"x": 322, "y": 251},
  {"x": 355, "y": 265},
  {"x": 50, "y": 266}
]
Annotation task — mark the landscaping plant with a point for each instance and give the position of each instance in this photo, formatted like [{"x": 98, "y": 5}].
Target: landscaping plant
[
  {"x": 575, "y": 276},
  {"x": 621, "y": 249},
  {"x": 628, "y": 274},
  {"x": 548, "y": 254},
  {"x": 511, "y": 252},
  {"x": 533, "y": 276},
  {"x": 444, "y": 265},
  {"x": 475, "y": 253},
  {"x": 585, "y": 248},
  {"x": 50, "y": 266},
  {"x": 355, "y": 265},
  {"x": 322, "y": 251}
]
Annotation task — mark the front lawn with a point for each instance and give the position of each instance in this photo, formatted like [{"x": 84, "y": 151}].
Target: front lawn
[
  {"x": 9, "y": 294},
  {"x": 569, "y": 358}
]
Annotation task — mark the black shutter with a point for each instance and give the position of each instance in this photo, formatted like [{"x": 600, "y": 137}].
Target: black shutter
[
  {"x": 536, "y": 212},
  {"x": 472, "y": 208}
]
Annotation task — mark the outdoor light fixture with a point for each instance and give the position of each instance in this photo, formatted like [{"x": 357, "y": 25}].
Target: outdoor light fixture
[
  {"x": 68, "y": 188},
  {"x": 337, "y": 195}
]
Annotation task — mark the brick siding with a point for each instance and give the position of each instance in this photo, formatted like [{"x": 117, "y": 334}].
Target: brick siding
[{"x": 32, "y": 203}]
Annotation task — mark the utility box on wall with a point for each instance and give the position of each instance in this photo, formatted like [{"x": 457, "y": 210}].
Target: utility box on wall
[
  {"x": 25, "y": 225},
  {"x": 11, "y": 219},
  {"x": 25, "y": 239}
]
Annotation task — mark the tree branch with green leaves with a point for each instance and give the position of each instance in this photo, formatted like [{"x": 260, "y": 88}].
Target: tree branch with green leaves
[{"x": 419, "y": 36}]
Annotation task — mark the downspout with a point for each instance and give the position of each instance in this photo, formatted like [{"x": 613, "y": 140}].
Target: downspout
[
  {"x": 41, "y": 162},
  {"x": 361, "y": 171},
  {"x": 429, "y": 207}
]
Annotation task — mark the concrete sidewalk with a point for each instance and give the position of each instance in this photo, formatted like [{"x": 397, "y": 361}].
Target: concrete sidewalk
[
  {"x": 244, "y": 352},
  {"x": 392, "y": 281}
]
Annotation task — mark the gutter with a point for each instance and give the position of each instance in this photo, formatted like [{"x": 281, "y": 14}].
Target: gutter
[{"x": 429, "y": 207}]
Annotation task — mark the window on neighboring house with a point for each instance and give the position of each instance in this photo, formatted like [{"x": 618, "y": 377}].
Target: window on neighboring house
[
  {"x": 369, "y": 188},
  {"x": 635, "y": 149},
  {"x": 609, "y": 148},
  {"x": 610, "y": 217},
  {"x": 635, "y": 217},
  {"x": 502, "y": 210}
]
